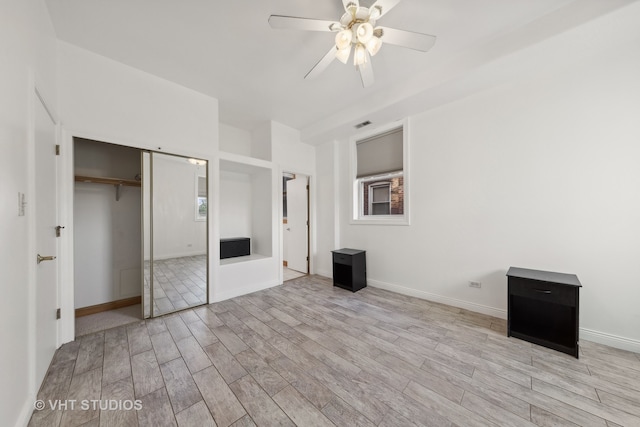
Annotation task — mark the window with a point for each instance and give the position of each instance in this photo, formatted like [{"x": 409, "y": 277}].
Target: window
[
  {"x": 378, "y": 198},
  {"x": 380, "y": 182},
  {"x": 201, "y": 198}
]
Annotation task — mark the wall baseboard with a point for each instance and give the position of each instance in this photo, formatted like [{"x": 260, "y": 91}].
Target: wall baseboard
[
  {"x": 325, "y": 273},
  {"x": 610, "y": 340},
  {"x": 176, "y": 255},
  {"x": 26, "y": 412},
  {"x": 245, "y": 290},
  {"x": 467, "y": 305},
  {"x": 112, "y": 305}
]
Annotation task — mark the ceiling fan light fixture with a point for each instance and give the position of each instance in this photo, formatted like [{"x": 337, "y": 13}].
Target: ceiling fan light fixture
[
  {"x": 343, "y": 54},
  {"x": 356, "y": 29},
  {"x": 343, "y": 39},
  {"x": 362, "y": 14},
  {"x": 375, "y": 12},
  {"x": 364, "y": 32},
  {"x": 359, "y": 55},
  {"x": 352, "y": 7},
  {"x": 373, "y": 45}
]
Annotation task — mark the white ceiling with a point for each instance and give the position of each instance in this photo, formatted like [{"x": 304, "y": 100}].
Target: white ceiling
[{"x": 227, "y": 50}]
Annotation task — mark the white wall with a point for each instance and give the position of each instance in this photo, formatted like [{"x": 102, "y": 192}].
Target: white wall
[
  {"x": 127, "y": 106},
  {"x": 235, "y": 204},
  {"x": 263, "y": 212},
  {"x": 107, "y": 244},
  {"x": 542, "y": 173},
  {"x": 235, "y": 140},
  {"x": 27, "y": 44},
  {"x": 327, "y": 207},
  {"x": 289, "y": 153}
]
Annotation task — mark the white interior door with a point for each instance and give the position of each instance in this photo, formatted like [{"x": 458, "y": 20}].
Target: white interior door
[
  {"x": 46, "y": 244},
  {"x": 297, "y": 224}
]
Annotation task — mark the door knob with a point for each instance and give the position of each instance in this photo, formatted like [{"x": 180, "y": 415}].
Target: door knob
[
  {"x": 288, "y": 229},
  {"x": 45, "y": 258}
]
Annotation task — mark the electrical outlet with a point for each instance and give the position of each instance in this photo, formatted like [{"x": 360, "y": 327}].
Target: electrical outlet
[{"x": 475, "y": 284}]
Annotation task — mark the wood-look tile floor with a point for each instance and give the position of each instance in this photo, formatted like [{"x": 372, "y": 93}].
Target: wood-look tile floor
[
  {"x": 290, "y": 274},
  {"x": 308, "y": 354}
]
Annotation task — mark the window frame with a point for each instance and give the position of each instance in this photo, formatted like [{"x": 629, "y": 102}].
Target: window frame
[
  {"x": 374, "y": 185},
  {"x": 357, "y": 193},
  {"x": 199, "y": 199}
]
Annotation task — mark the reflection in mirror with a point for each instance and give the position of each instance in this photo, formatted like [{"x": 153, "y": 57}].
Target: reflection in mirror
[{"x": 178, "y": 244}]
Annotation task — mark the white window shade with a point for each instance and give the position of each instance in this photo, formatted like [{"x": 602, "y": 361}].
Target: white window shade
[{"x": 380, "y": 154}]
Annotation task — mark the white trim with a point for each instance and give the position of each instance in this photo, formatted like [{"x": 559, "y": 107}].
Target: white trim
[
  {"x": 27, "y": 411},
  {"x": 66, "y": 266},
  {"x": 467, "y": 305},
  {"x": 610, "y": 340}
]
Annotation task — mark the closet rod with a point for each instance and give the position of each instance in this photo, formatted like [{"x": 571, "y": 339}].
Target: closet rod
[{"x": 112, "y": 181}]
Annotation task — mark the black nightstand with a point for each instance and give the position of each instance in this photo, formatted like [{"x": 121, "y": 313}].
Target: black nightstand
[
  {"x": 349, "y": 269},
  {"x": 544, "y": 308}
]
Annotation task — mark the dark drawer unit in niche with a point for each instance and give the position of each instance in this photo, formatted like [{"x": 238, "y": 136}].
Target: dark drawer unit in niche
[
  {"x": 543, "y": 308},
  {"x": 349, "y": 269},
  {"x": 234, "y": 247}
]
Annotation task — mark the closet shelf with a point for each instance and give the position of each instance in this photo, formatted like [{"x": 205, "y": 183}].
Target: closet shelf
[
  {"x": 105, "y": 180},
  {"x": 116, "y": 182}
]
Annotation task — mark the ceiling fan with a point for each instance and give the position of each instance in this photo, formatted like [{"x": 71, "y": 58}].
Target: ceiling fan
[{"x": 356, "y": 28}]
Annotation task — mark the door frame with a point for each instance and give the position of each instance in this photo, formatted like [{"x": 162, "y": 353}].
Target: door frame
[
  {"x": 66, "y": 190},
  {"x": 66, "y": 180},
  {"x": 310, "y": 217}
]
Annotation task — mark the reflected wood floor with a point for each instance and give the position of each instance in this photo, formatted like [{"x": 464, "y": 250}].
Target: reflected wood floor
[
  {"x": 179, "y": 283},
  {"x": 308, "y": 354}
]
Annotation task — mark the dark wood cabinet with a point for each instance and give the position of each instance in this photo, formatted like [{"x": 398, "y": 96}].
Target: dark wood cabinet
[
  {"x": 234, "y": 247},
  {"x": 543, "y": 308},
  {"x": 349, "y": 269}
]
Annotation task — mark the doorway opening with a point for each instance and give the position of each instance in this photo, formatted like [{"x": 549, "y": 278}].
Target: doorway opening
[{"x": 295, "y": 222}]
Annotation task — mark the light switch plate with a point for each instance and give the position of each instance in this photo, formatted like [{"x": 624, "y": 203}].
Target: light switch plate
[{"x": 21, "y": 204}]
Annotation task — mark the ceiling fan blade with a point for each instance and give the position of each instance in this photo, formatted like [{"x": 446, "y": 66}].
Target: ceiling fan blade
[
  {"x": 350, "y": 4},
  {"x": 282, "y": 22},
  {"x": 366, "y": 72},
  {"x": 322, "y": 64},
  {"x": 410, "y": 39},
  {"x": 384, "y": 6}
]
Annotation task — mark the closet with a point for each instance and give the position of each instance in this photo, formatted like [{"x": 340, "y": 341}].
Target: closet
[
  {"x": 107, "y": 227},
  {"x": 140, "y": 229}
]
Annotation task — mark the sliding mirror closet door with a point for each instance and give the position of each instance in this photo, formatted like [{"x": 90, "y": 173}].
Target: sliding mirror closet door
[{"x": 177, "y": 247}]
